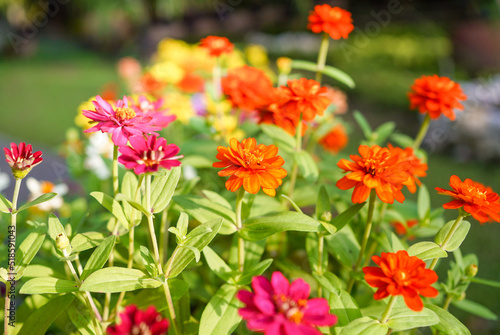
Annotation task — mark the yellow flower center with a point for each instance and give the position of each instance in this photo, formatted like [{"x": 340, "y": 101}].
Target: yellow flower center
[
  {"x": 253, "y": 157},
  {"x": 47, "y": 186},
  {"x": 293, "y": 310},
  {"x": 124, "y": 113},
  {"x": 400, "y": 277}
]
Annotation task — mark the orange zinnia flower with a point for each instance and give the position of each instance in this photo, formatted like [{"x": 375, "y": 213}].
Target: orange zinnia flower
[
  {"x": 475, "y": 198},
  {"x": 401, "y": 274},
  {"x": 416, "y": 168},
  {"x": 150, "y": 84},
  {"x": 402, "y": 228},
  {"x": 436, "y": 95},
  {"x": 191, "y": 83},
  {"x": 247, "y": 87},
  {"x": 251, "y": 166},
  {"x": 335, "y": 140},
  {"x": 307, "y": 98},
  {"x": 377, "y": 169},
  {"x": 335, "y": 21},
  {"x": 216, "y": 45}
]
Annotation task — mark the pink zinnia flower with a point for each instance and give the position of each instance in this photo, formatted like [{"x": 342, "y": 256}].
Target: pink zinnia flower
[
  {"x": 122, "y": 121},
  {"x": 148, "y": 108},
  {"x": 149, "y": 154},
  {"x": 137, "y": 322},
  {"x": 22, "y": 159},
  {"x": 281, "y": 308}
]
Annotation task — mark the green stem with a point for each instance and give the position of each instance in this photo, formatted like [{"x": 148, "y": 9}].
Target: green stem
[
  {"x": 239, "y": 225},
  {"x": 388, "y": 309},
  {"x": 12, "y": 235},
  {"x": 447, "y": 302},
  {"x": 323, "y": 51},
  {"x": 366, "y": 236},
  {"x": 164, "y": 225},
  {"x": 171, "y": 309},
  {"x": 321, "y": 244},
  {"x": 130, "y": 262},
  {"x": 298, "y": 148},
  {"x": 115, "y": 170},
  {"x": 421, "y": 133},
  {"x": 447, "y": 239}
]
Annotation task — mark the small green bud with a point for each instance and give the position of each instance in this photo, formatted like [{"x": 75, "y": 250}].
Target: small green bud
[
  {"x": 471, "y": 270},
  {"x": 62, "y": 241},
  {"x": 462, "y": 296},
  {"x": 326, "y": 216}
]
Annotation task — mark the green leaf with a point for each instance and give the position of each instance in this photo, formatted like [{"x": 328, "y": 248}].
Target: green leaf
[
  {"x": 344, "y": 246},
  {"x": 148, "y": 261},
  {"x": 346, "y": 216},
  {"x": 329, "y": 282},
  {"x": 475, "y": 308},
  {"x": 363, "y": 124},
  {"x": 345, "y": 307},
  {"x": 80, "y": 315},
  {"x": 182, "y": 224},
  {"x": 365, "y": 326},
  {"x": 427, "y": 250},
  {"x": 55, "y": 228},
  {"x": 99, "y": 257},
  {"x": 329, "y": 71},
  {"x": 485, "y": 282},
  {"x": 395, "y": 242},
  {"x": 253, "y": 271},
  {"x": 128, "y": 188},
  {"x": 259, "y": 228},
  {"x": 457, "y": 238},
  {"x": 424, "y": 202},
  {"x": 254, "y": 251},
  {"x": 163, "y": 189},
  {"x": 323, "y": 204},
  {"x": 307, "y": 166},
  {"x": 85, "y": 241},
  {"x": 134, "y": 204},
  {"x": 312, "y": 253},
  {"x": 27, "y": 251},
  {"x": 116, "y": 279},
  {"x": 46, "y": 285},
  {"x": 402, "y": 140},
  {"x": 197, "y": 161},
  {"x": 41, "y": 199},
  {"x": 220, "y": 316},
  {"x": 182, "y": 256},
  {"x": 283, "y": 140},
  {"x": 404, "y": 318},
  {"x": 382, "y": 132},
  {"x": 40, "y": 320},
  {"x": 216, "y": 197},
  {"x": 156, "y": 296},
  {"x": 112, "y": 206},
  {"x": 217, "y": 264},
  {"x": 5, "y": 205},
  {"x": 202, "y": 210},
  {"x": 294, "y": 205},
  {"x": 448, "y": 324}
]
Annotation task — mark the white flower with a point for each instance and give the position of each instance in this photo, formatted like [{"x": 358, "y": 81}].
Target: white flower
[
  {"x": 4, "y": 181},
  {"x": 100, "y": 145},
  {"x": 38, "y": 188}
]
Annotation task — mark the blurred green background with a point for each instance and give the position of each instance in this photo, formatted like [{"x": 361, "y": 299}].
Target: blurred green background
[{"x": 56, "y": 54}]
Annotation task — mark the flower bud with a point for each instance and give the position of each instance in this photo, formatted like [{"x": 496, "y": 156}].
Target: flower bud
[
  {"x": 284, "y": 65},
  {"x": 62, "y": 241},
  {"x": 326, "y": 216},
  {"x": 471, "y": 270}
]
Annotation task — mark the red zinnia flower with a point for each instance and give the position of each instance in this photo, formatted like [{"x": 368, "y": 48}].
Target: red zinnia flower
[
  {"x": 401, "y": 274},
  {"x": 402, "y": 228},
  {"x": 122, "y": 121},
  {"x": 278, "y": 307},
  {"x": 335, "y": 21},
  {"x": 416, "y": 168},
  {"x": 137, "y": 322},
  {"x": 335, "y": 140},
  {"x": 307, "y": 97},
  {"x": 475, "y": 198},
  {"x": 436, "y": 95},
  {"x": 22, "y": 159},
  {"x": 251, "y": 166},
  {"x": 247, "y": 87},
  {"x": 216, "y": 45},
  {"x": 377, "y": 169},
  {"x": 149, "y": 154}
]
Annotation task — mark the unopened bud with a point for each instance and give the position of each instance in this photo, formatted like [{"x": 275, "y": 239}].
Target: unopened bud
[
  {"x": 462, "y": 296},
  {"x": 471, "y": 270},
  {"x": 62, "y": 241},
  {"x": 326, "y": 216},
  {"x": 284, "y": 65}
]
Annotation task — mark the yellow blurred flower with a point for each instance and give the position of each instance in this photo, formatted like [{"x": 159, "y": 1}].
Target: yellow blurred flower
[
  {"x": 284, "y": 65},
  {"x": 232, "y": 60},
  {"x": 257, "y": 55},
  {"x": 83, "y": 121},
  {"x": 171, "y": 50},
  {"x": 180, "y": 105},
  {"x": 168, "y": 72},
  {"x": 226, "y": 127},
  {"x": 213, "y": 107}
]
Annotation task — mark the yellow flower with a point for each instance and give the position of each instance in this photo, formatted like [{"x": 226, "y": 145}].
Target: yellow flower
[
  {"x": 257, "y": 55},
  {"x": 82, "y": 121},
  {"x": 234, "y": 59},
  {"x": 180, "y": 105},
  {"x": 168, "y": 71},
  {"x": 176, "y": 51}
]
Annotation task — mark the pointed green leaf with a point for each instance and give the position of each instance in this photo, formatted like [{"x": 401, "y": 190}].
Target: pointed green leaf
[
  {"x": 182, "y": 224},
  {"x": 55, "y": 228},
  {"x": 485, "y": 282},
  {"x": 148, "y": 261},
  {"x": 85, "y": 241},
  {"x": 217, "y": 264},
  {"x": 163, "y": 189},
  {"x": 323, "y": 204},
  {"x": 5, "y": 205},
  {"x": 196, "y": 252},
  {"x": 134, "y": 204},
  {"x": 116, "y": 279},
  {"x": 253, "y": 271},
  {"x": 46, "y": 285},
  {"x": 475, "y": 308},
  {"x": 457, "y": 238},
  {"x": 365, "y": 326},
  {"x": 283, "y": 140},
  {"x": 344, "y": 246},
  {"x": 259, "y": 228},
  {"x": 99, "y": 257},
  {"x": 80, "y": 315},
  {"x": 380, "y": 135},
  {"x": 307, "y": 166},
  {"x": 363, "y": 124},
  {"x": 404, "y": 318},
  {"x": 294, "y": 205},
  {"x": 329, "y": 282},
  {"x": 112, "y": 206},
  {"x": 346, "y": 216},
  {"x": 313, "y": 253},
  {"x": 328, "y": 70},
  {"x": 345, "y": 307},
  {"x": 27, "y": 251},
  {"x": 220, "y": 316},
  {"x": 216, "y": 197},
  {"x": 41, "y": 199},
  {"x": 427, "y": 250},
  {"x": 128, "y": 188},
  {"x": 448, "y": 324},
  {"x": 424, "y": 202}
]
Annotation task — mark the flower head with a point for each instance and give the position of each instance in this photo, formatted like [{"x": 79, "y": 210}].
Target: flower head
[
  {"x": 375, "y": 168},
  {"x": 416, "y": 168},
  {"x": 435, "y": 96},
  {"x": 280, "y": 307},
  {"x": 216, "y": 45},
  {"x": 38, "y": 188},
  {"x": 334, "y": 21},
  {"x": 22, "y": 159},
  {"x": 153, "y": 108},
  {"x": 191, "y": 83},
  {"x": 401, "y": 274},
  {"x": 121, "y": 121},
  {"x": 307, "y": 97},
  {"x": 402, "y": 228},
  {"x": 335, "y": 140},
  {"x": 475, "y": 198},
  {"x": 149, "y": 154},
  {"x": 137, "y": 322},
  {"x": 151, "y": 84},
  {"x": 251, "y": 166}
]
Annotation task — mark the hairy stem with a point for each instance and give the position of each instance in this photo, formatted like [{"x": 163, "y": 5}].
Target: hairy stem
[
  {"x": 241, "y": 242},
  {"x": 388, "y": 309}
]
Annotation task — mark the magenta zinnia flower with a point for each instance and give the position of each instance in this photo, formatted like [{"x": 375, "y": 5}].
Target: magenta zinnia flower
[
  {"x": 22, "y": 159},
  {"x": 148, "y": 108},
  {"x": 149, "y": 154},
  {"x": 281, "y": 308},
  {"x": 122, "y": 121},
  {"x": 137, "y": 322}
]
